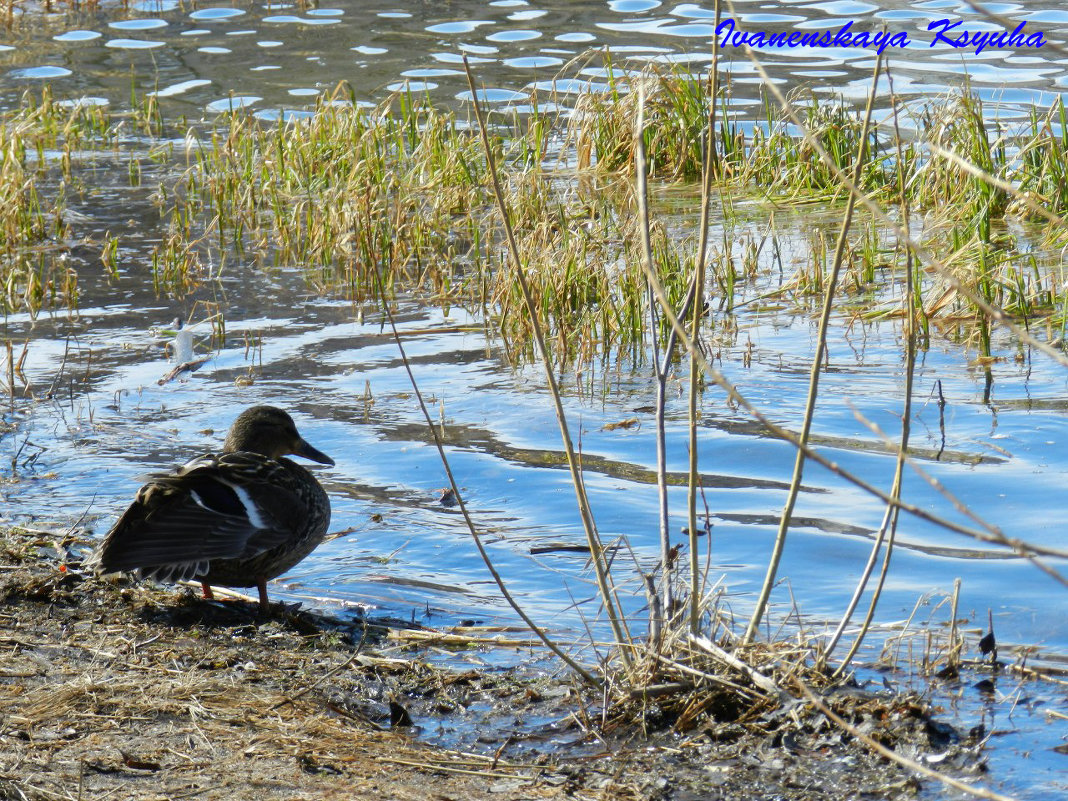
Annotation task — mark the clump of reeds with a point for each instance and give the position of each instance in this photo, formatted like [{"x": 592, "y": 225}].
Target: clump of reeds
[
  {"x": 345, "y": 193},
  {"x": 400, "y": 192},
  {"x": 28, "y": 215},
  {"x": 776, "y": 158},
  {"x": 1043, "y": 170},
  {"x": 47, "y": 149},
  {"x": 964, "y": 197},
  {"x": 676, "y": 105},
  {"x": 402, "y": 189}
]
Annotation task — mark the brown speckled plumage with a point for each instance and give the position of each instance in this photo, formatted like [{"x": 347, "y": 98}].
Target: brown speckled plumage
[{"x": 235, "y": 519}]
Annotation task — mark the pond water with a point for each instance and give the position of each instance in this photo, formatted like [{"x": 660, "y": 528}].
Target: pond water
[
  {"x": 280, "y": 55},
  {"x": 997, "y": 444}
]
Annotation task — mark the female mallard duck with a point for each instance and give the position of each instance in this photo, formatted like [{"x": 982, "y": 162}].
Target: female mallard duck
[{"x": 236, "y": 519}]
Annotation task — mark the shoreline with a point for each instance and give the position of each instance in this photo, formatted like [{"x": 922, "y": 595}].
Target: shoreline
[{"x": 147, "y": 693}]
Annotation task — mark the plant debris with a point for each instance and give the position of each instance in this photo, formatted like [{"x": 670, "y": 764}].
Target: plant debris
[{"x": 142, "y": 692}]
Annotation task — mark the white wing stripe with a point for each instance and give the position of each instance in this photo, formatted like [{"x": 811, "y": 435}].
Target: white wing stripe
[{"x": 253, "y": 512}]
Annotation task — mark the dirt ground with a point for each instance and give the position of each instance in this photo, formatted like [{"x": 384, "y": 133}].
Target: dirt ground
[{"x": 126, "y": 691}]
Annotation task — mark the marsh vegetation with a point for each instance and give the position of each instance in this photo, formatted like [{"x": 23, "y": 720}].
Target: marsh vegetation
[{"x": 635, "y": 226}]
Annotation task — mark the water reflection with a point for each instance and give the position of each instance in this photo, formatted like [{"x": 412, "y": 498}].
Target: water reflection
[
  {"x": 393, "y": 41},
  {"x": 77, "y": 36},
  {"x": 44, "y": 72},
  {"x": 232, "y": 103},
  {"x": 137, "y": 24},
  {"x": 216, "y": 13}
]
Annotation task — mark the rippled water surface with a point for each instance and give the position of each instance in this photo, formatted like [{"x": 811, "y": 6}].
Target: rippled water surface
[
  {"x": 993, "y": 435},
  {"x": 280, "y": 53}
]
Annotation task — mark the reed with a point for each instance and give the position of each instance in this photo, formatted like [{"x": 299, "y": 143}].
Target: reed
[
  {"x": 41, "y": 140},
  {"x": 888, "y": 529},
  {"x": 600, "y": 562}
]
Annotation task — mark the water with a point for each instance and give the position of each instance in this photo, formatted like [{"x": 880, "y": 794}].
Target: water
[
  {"x": 997, "y": 445},
  {"x": 259, "y": 50}
]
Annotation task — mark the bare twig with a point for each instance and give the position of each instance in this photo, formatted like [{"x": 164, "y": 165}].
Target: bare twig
[
  {"x": 597, "y": 554},
  {"x": 759, "y": 679},
  {"x": 814, "y": 375},
  {"x": 695, "y": 331},
  {"x": 476, "y": 538},
  {"x": 664, "y": 605},
  {"x": 888, "y": 528}
]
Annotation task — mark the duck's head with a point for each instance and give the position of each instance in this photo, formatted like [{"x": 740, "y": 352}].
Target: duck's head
[{"x": 269, "y": 431}]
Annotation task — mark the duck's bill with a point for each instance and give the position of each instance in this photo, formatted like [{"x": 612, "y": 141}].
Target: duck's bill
[{"x": 316, "y": 455}]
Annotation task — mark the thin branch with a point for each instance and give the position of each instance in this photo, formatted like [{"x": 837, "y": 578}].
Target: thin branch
[
  {"x": 597, "y": 555},
  {"x": 695, "y": 332},
  {"x": 814, "y": 374},
  {"x": 888, "y": 529},
  {"x": 661, "y": 369},
  {"x": 552, "y": 646}
]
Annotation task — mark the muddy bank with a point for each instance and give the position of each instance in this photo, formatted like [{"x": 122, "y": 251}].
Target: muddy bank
[{"x": 142, "y": 692}]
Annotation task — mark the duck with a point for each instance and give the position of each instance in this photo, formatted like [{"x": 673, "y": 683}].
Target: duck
[{"x": 238, "y": 518}]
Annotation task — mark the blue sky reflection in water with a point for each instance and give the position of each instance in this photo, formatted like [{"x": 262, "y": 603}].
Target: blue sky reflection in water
[{"x": 1005, "y": 424}]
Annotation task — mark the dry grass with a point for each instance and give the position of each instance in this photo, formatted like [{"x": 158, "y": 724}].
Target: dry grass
[{"x": 130, "y": 691}]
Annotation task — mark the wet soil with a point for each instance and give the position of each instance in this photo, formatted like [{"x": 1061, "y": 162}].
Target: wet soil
[{"x": 133, "y": 691}]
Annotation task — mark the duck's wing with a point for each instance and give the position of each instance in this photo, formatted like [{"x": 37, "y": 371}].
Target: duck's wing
[{"x": 227, "y": 506}]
